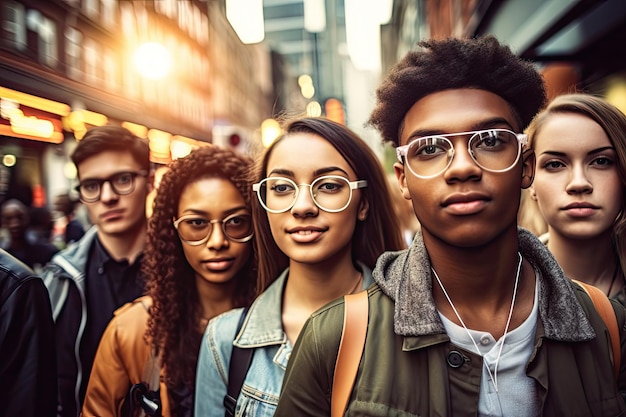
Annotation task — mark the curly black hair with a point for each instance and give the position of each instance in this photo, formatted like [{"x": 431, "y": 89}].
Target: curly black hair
[
  {"x": 174, "y": 324},
  {"x": 452, "y": 63}
]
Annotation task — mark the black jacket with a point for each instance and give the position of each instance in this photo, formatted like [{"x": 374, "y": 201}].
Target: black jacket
[{"x": 28, "y": 385}]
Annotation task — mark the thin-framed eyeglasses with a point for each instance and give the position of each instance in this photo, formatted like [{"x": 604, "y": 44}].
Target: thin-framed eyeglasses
[
  {"x": 122, "y": 183},
  {"x": 494, "y": 150},
  {"x": 331, "y": 193},
  {"x": 195, "y": 230}
]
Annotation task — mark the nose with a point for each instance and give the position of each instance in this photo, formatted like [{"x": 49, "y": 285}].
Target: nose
[
  {"x": 217, "y": 237},
  {"x": 579, "y": 181},
  {"x": 462, "y": 167},
  {"x": 106, "y": 193},
  {"x": 304, "y": 205}
]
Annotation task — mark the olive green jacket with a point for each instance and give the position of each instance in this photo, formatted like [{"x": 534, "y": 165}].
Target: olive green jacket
[{"x": 410, "y": 368}]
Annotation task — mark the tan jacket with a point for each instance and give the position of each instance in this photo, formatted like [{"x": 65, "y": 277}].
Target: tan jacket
[{"x": 120, "y": 362}]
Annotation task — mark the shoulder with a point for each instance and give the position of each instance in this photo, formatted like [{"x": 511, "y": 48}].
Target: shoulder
[
  {"x": 219, "y": 335},
  {"x": 136, "y": 309},
  {"x": 224, "y": 325},
  {"x": 13, "y": 270},
  {"x": 13, "y": 274}
]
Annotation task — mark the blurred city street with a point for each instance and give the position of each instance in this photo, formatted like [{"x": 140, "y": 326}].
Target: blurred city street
[{"x": 190, "y": 73}]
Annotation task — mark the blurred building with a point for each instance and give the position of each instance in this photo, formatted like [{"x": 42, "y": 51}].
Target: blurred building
[
  {"x": 68, "y": 65},
  {"x": 577, "y": 44}
]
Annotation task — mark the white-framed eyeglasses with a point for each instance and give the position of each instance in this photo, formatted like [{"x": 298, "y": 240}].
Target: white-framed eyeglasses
[
  {"x": 331, "y": 193},
  {"x": 494, "y": 150},
  {"x": 195, "y": 230}
]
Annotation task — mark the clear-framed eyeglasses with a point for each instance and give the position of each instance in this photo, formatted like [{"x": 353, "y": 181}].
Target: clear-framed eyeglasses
[
  {"x": 195, "y": 230},
  {"x": 331, "y": 193},
  {"x": 494, "y": 150},
  {"x": 122, "y": 183}
]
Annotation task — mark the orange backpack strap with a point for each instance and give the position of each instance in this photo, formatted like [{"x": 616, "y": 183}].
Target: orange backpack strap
[
  {"x": 605, "y": 309},
  {"x": 350, "y": 350}
]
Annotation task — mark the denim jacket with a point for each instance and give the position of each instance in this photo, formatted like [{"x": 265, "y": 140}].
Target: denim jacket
[{"x": 262, "y": 330}]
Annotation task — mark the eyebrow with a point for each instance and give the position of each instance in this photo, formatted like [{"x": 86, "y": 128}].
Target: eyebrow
[
  {"x": 592, "y": 152},
  {"x": 110, "y": 176},
  {"x": 317, "y": 172},
  {"x": 493, "y": 123},
  {"x": 205, "y": 213}
]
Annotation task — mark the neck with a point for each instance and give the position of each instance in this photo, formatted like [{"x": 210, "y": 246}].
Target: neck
[
  {"x": 125, "y": 246},
  {"x": 310, "y": 287},
  {"x": 314, "y": 285},
  {"x": 590, "y": 260},
  {"x": 491, "y": 267},
  {"x": 215, "y": 298},
  {"x": 480, "y": 282}
]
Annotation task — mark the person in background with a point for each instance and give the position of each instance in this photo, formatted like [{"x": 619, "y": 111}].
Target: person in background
[
  {"x": 476, "y": 318},
  {"x": 28, "y": 367},
  {"x": 580, "y": 188},
  {"x": 67, "y": 227},
  {"x": 89, "y": 280},
  {"x": 24, "y": 245},
  {"x": 320, "y": 224},
  {"x": 200, "y": 262}
]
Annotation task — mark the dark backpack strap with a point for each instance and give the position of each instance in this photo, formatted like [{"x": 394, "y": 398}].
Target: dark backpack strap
[{"x": 239, "y": 363}]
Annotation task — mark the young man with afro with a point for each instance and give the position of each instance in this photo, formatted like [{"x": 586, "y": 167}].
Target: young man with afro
[{"x": 476, "y": 318}]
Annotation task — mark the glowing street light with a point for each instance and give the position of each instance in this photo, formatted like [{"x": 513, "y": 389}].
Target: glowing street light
[
  {"x": 152, "y": 60},
  {"x": 246, "y": 18}
]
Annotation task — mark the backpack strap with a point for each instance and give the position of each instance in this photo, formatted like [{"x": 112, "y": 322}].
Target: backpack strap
[
  {"x": 350, "y": 350},
  {"x": 604, "y": 307},
  {"x": 240, "y": 360}
]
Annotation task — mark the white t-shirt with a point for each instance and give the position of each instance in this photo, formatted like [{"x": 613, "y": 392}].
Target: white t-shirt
[{"x": 517, "y": 393}]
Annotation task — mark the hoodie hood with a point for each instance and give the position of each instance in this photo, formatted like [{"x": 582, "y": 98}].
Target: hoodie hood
[{"x": 405, "y": 277}]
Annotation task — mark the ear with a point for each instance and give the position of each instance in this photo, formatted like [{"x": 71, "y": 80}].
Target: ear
[
  {"x": 150, "y": 182},
  {"x": 532, "y": 193},
  {"x": 404, "y": 189},
  {"x": 364, "y": 208},
  {"x": 528, "y": 168}
]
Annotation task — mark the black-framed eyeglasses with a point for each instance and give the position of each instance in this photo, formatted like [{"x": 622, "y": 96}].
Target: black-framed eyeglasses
[
  {"x": 494, "y": 150},
  {"x": 331, "y": 193},
  {"x": 195, "y": 230},
  {"x": 122, "y": 183}
]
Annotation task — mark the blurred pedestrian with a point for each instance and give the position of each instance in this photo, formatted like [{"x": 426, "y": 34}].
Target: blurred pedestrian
[
  {"x": 67, "y": 228},
  {"x": 88, "y": 281},
  {"x": 26, "y": 246}
]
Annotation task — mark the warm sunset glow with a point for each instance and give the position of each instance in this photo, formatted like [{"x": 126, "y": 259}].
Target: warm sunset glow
[{"x": 153, "y": 60}]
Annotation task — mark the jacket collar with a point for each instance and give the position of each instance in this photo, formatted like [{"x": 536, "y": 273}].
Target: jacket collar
[
  {"x": 405, "y": 277},
  {"x": 263, "y": 324}
]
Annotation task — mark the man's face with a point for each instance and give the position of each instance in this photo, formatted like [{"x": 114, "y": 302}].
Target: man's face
[
  {"x": 464, "y": 206},
  {"x": 115, "y": 214}
]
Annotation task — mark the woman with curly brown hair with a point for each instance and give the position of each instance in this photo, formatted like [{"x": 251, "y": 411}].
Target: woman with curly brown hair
[{"x": 199, "y": 260}]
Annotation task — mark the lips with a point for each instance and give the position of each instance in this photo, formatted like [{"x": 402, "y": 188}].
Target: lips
[
  {"x": 218, "y": 264},
  {"x": 580, "y": 210},
  {"x": 306, "y": 234},
  {"x": 462, "y": 204},
  {"x": 580, "y": 205},
  {"x": 305, "y": 230},
  {"x": 463, "y": 198},
  {"x": 112, "y": 214}
]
